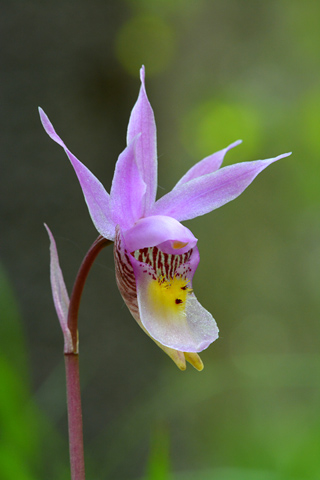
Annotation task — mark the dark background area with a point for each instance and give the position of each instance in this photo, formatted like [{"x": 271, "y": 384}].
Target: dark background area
[{"x": 215, "y": 72}]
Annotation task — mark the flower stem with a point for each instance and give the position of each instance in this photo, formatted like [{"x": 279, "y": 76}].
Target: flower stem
[
  {"x": 74, "y": 417},
  {"x": 84, "y": 269},
  {"x": 72, "y": 365}
]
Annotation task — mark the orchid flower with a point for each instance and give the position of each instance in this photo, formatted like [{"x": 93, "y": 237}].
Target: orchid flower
[{"x": 155, "y": 255}]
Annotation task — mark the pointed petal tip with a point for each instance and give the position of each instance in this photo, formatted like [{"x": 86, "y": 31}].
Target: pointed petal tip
[
  {"x": 232, "y": 145},
  {"x": 177, "y": 356},
  {"x": 142, "y": 74},
  {"x": 235, "y": 144},
  {"x": 179, "y": 360},
  {"x": 183, "y": 368},
  {"x": 47, "y": 125},
  {"x": 194, "y": 360},
  {"x": 279, "y": 157},
  {"x": 43, "y": 116},
  {"x": 48, "y": 231}
]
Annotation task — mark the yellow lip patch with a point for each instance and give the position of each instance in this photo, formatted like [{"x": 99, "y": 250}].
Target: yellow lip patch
[{"x": 168, "y": 296}]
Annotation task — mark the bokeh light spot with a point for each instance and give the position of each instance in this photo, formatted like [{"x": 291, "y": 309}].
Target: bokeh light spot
[
  {"x": 308, "y": 143},
  {"x": 213, "y": 125},
  {"x": 310, "y": 120},
  {"x": 145, "y": 40}
]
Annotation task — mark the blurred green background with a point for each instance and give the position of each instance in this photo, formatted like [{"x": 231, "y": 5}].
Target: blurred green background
[{"x": 216, "y": 71}]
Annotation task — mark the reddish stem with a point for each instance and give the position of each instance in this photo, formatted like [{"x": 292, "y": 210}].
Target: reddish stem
[
  {"x": 74, "y": 417},
  {"x": 84, "y": 269},
  {"x": 72, "y": 365}
]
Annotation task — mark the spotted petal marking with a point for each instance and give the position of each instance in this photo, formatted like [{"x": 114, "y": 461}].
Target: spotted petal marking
[
  {"x": 157, "y": 264},
  {"x": 163, "y": 265}
]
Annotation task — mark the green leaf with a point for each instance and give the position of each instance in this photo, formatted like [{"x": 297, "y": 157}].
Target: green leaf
[
  {"x": 159, "y": 464},
  {"x": 19, "y": 418}
]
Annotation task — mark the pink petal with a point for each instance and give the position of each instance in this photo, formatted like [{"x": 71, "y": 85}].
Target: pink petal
[
  {"x": 207, "y": 165},
  {"x": 127, "y": 189},
  {"x": 142, "y": 122},
  {"x": 189, "y": 331},
  {"x": 96, "y": 197},
  {"x": 206, "y": 193},
  {"x": 59, "y": 293},
  {"x": 156, "y": 230}
]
